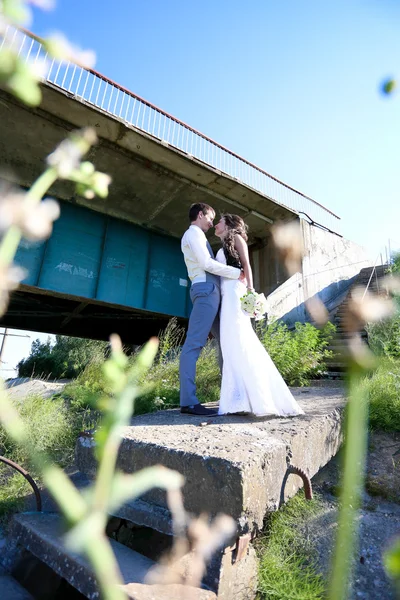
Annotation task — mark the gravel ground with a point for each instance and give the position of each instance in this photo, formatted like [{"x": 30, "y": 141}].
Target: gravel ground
[
  {"x": 378, "y": 520},
  {"x": 21, "y": 387}
]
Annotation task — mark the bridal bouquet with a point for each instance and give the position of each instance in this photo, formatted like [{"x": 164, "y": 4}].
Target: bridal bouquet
[{"x": 254, "y": 305}]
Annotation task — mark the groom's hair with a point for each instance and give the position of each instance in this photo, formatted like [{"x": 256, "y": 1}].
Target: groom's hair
[{"x": 195, "y": 209}]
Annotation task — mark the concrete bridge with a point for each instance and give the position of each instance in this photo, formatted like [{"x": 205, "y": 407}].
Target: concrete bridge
[{"x": 115, "y": 264}]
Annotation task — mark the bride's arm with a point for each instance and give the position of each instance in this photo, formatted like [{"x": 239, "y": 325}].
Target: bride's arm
[{"x": 243, "y": 252}]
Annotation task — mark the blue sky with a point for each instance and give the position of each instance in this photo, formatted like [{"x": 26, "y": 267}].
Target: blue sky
[{"x": 292, "y": 86}]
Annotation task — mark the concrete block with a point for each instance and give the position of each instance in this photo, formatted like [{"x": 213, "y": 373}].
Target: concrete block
[
  {"x": 234, "y": 465},
  {"x": 10, "y": 589}
]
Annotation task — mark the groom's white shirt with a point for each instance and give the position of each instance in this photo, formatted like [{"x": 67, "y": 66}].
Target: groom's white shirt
[{"x": 198, "y": 259}]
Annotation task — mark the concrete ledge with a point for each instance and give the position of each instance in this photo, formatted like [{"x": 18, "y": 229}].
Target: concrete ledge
[
  {"x": 10, "y": 589},
  {"x": 42, "y": 535},
  {"x": 235, "y": 465},
  {"x": 137, "y": 591},
  {"x": 146, "y": 515}
]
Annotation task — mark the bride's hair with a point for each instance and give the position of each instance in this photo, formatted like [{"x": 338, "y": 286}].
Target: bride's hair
[{"x": 235, "y": 226}]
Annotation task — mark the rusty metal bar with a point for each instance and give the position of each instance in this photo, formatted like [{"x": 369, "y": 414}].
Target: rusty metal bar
[
  {"x": 306, "y": 480},
  {"x": 28, "y": 477}
]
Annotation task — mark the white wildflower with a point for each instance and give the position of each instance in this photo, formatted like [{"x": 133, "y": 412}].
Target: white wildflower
[
  {"x": 10, "y": 278},
  {"x": 43, "y": 4},
  {"x": 99, "y": 183},
  {"x": 58, "y": 46},
  {"x": 37, "y": 223},
  {"x": 288, "y": 241},
  {"x": 11, "y": 203},
  {"x": 365, "y": 307},
  {"x": 67, "y": 156},
  {"x": 317, "y": 310}
]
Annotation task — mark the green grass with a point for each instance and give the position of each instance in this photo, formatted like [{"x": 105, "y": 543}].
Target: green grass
[
  {"x": 13, "y": 490},
  {"x": 383, "y": 389},
  {"x": 52, "y": 428},
  {"x": 298, "y": 355},
  {"x": 163, "y": 382},
  {"x": 161, "y": 385},
  {"x": 287, "y": 569},
  {"x": 84, "y": 391}
]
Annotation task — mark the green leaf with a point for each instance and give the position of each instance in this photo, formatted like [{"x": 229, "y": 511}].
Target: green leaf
[
  {"x": 26, "y": 89},
  {"x": 88, "y": 528},
  {"x": 65, "y": 493},
  {"x": 127, "y": 487},
  {"x": 112, "y": 371},
  {"x": 389, "y": 86},
  {"x": 392, "y": 560},
  {"x": 16, "y": 11}
]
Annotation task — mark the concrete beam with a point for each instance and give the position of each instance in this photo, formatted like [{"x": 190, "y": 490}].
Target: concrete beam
[
  {"x": 148, "y": 175},
  {"x": 236, "y": 465}
]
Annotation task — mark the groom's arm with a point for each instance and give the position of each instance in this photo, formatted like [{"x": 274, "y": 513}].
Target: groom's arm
[{"x": 198, "y": 246}]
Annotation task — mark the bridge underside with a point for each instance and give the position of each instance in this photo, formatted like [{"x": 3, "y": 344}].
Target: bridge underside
[
  {"x": 153, "y": 183},
  {"x": 153, "y": 187},
  {"x": 46, "y": 312}
]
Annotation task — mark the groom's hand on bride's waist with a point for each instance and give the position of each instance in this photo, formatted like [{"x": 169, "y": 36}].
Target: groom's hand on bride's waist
[{"x": 242, "y": 276}]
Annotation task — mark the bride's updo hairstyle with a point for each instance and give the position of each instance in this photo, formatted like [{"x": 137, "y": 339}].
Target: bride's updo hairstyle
[{"x": 234, "y": 226}]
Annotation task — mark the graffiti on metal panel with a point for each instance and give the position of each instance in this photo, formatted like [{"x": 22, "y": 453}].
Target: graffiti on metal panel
[
  {"x": 75, "y": 270},
  {"x": 160, "y": 279},
  {"x": 113, "y": 263}
]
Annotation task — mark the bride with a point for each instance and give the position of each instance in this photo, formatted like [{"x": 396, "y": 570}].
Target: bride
[{"x": 251, "y": 382}]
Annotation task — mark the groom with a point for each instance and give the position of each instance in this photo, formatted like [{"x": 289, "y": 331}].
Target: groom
[{"x": 204, "y": 272}]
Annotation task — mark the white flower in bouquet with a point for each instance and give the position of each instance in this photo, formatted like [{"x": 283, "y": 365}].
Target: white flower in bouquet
[
  {"x": 254, "y": 305},
  {"x": 261, "y": 307}
]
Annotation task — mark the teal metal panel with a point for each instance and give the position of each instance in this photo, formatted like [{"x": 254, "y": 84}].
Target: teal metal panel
[
  {"x": 123, "y": 272},
  {"x": 73, "y": 253},
  {"x": 167, "y": 282},
  {"x": 30, "y": 257},
  {"x": 94, "y": 256}
]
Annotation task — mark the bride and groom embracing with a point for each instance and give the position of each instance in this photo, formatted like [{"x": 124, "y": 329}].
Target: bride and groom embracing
[{"x": 250, "y": 381}]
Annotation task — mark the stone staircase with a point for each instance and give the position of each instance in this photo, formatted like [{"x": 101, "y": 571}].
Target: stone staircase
[
  {"x": 69, "y": 575},
  {"x": 337, "y": 364},
  {"x": 237, "y": 465}
]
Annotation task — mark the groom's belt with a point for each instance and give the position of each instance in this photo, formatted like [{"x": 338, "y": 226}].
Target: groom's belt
[{"x": 209, "y": 278}]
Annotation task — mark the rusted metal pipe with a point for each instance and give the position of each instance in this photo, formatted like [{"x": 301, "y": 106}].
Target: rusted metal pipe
[
  {"x": 28, "y": 477},
  {"x": 306, "y": 480}
]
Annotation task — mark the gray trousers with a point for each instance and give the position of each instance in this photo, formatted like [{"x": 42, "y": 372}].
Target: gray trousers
[{"x": 206, "y": 299}]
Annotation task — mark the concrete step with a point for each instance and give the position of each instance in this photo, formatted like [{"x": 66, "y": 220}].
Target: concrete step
[
  {"x": 338, "y": 345},
  {"x": 234, "y": 464},
  {"x": 361, "y": 280},
  {"x": 237, "y": 465},
  {"x": 10, "y": 589},
  {"x": 335, "y": 377},
  {"x": 337, "y": 366},
  {"x": 342, "y": 332},
  {"x": 42, "y": 535},
  {"x": 146, "y": 514}
]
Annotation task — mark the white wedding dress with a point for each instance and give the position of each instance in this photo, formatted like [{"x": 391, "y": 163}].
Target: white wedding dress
[{"x": 250, "y": 380}]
